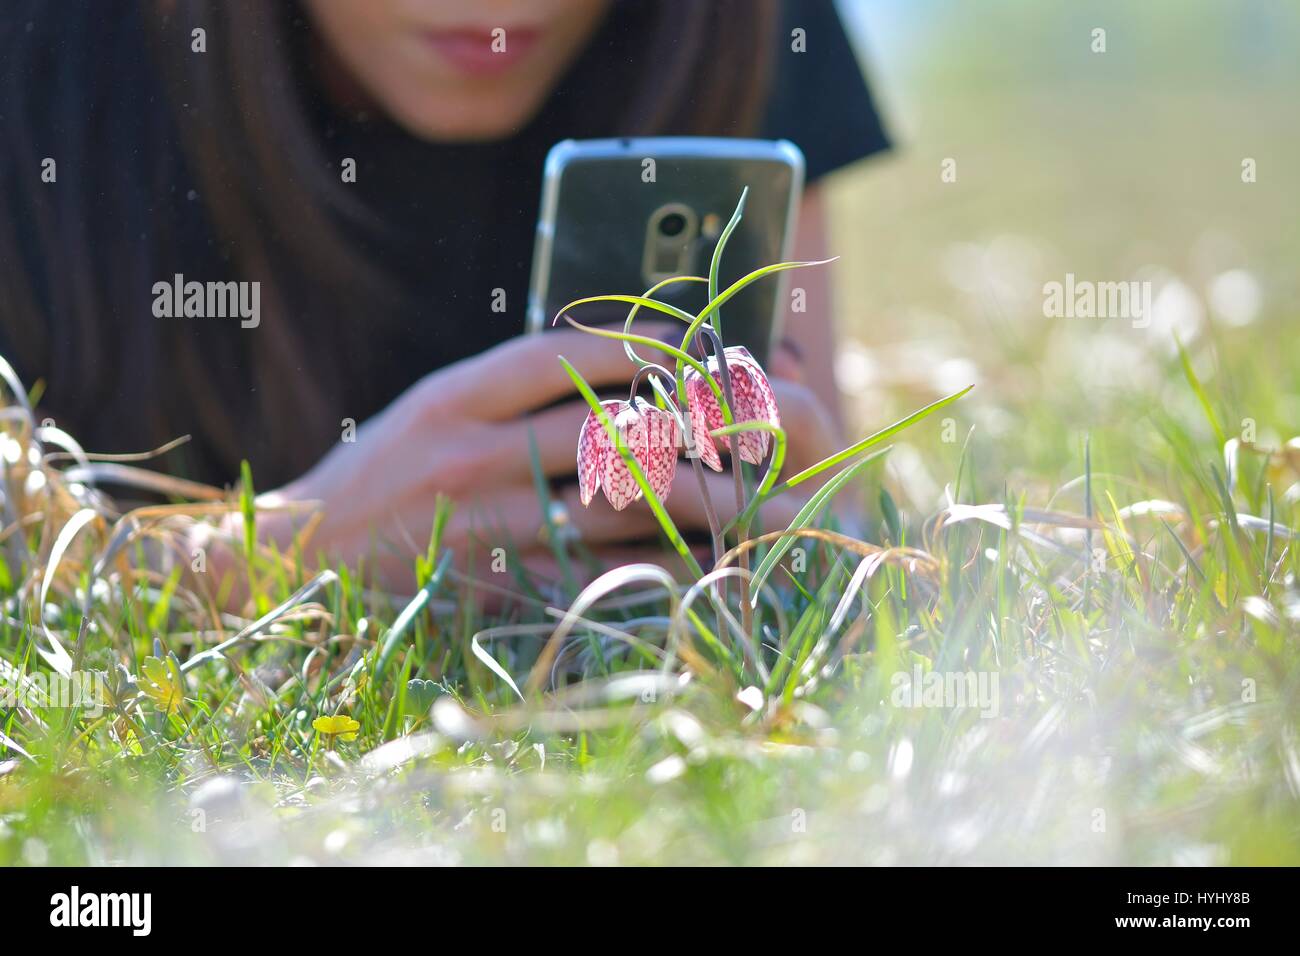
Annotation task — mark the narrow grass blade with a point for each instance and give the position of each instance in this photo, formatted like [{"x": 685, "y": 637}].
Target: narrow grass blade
[{"x": 806, "y": 516}]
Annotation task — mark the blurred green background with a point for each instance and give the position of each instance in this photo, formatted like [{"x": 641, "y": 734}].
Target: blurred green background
[{"x": 1114, "y": 166}]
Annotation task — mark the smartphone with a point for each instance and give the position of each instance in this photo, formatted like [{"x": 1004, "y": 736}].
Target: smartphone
[{"x": 620, "y": 215}]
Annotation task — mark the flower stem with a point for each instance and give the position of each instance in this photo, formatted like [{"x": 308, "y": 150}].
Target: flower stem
[
  {"x": 658, "y": 376},
  {"x": 661, "y": 381},
  {"x": 738, "y": 479}
]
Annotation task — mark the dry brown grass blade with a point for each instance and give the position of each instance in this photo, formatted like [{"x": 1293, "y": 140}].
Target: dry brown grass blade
[
  {"x": 129, "y": 456},
  {"x": 914, "y": 559},
  {"x": 144, "y": 480}
]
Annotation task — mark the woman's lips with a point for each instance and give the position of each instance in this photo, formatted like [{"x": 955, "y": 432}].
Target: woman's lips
[{"x": 480, "y": 52}]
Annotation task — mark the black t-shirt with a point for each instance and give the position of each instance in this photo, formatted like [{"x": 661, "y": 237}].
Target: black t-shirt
[{"x": 451, "y": 223}]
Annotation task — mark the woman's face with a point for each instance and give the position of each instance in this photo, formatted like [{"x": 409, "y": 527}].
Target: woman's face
[{"x": 452, "y": 69}]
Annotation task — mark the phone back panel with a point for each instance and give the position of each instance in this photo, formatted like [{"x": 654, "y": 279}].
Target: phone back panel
[{"x": 620, "y": 215}]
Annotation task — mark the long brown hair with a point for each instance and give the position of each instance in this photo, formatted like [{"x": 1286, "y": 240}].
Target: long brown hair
[{"x": 247, "y": 143}]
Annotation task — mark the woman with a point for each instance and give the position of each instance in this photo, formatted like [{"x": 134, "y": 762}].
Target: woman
[{"x": 213, "y": 141}]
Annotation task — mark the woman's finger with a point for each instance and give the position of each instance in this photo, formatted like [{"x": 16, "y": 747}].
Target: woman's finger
[
  {"x": 510, "y": 517},
  {"x": 555, "y": 431},
  {"x": 687, "y": 508},
  {"x": 525, "y": 373},
  {"x": 685, "y": 505}
]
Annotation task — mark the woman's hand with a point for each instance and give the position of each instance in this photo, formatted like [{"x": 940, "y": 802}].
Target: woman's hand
[{"x": 464, "y": 431}]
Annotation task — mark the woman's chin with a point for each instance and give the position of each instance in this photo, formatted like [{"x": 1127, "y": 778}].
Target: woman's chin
[{"x": 473, "y": 118}]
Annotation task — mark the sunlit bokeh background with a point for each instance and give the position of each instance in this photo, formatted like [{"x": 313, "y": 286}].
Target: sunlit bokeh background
[{"x": 1115, "y": 166}]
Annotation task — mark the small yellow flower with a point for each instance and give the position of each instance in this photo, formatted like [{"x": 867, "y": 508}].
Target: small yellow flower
[
  {"x": 161, "y": 682},
  {"x": 340, "y": 725}
]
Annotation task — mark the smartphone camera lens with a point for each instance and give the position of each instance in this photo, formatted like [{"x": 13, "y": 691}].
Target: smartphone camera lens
[
  {"x": 672, "y": 224},
  {"x": 670, "y": 242}
]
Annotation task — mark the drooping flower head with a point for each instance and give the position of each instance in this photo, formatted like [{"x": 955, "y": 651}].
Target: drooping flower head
[
  {"x": 754, "y": 402},
  {"x": 652, "y": 436}
]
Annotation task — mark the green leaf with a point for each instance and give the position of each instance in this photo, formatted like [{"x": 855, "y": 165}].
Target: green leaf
[
  {"x": 716, "y": 302},
  {"x": 875, "y": 439},
  {"x": 160, "y": 680},
  {"x": 778, "y": 450},
  {"x": 246, "y": 507},
  {"x": 1201, "y": 396},
  {"x": 637, "y": 300},
  {"x": 631, "y": 313},
  {"x": 542, "y": 489},
  {"x": 420, "y": 695},
  {"x": 158, "y": 615},
  {"x": 850, "y": 452},
  {"x": 667, "y": 349},
  {"x": 409, "y": 614},
  {"x": 893, "y": 524},
  {"x": 806, "y": 516},
  {"x": 717, "y": 255}
]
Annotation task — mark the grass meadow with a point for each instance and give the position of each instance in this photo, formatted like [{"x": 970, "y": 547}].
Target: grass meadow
[{"x": 1071, "y": 634}]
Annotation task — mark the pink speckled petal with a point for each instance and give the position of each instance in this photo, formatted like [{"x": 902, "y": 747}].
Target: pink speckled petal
[
  {"x": 592, "y": 442},
  {"x": 755, "y": 402},
  {"x": 705, "y": 415},
  {"x": 662, "y": 437},
  {"x": 765, "y": 398},
  {"x": 590, "y": 437},
  {"x": 620, "y": 487}
]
